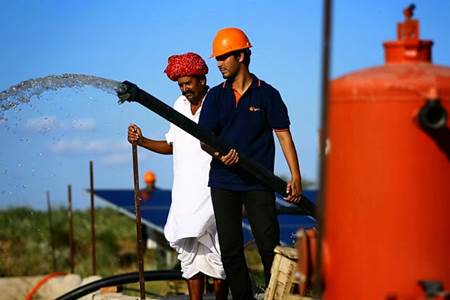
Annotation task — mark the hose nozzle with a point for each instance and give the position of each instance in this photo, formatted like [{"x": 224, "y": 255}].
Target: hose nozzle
[{"x": 126, "y": 91}]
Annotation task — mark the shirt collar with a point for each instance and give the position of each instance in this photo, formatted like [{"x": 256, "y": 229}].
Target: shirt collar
[{"x": 227, "y": 84}]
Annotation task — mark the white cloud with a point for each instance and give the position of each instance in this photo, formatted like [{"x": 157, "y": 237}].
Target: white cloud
[
  {"x": 45, "y": 123},
  {"x": 107, "y": 152},
  {"x": 83, "y": 123},
  {"x": 122, "y": 157},
  {"x": 116, "y": 159},
  {"x": 79, "y": 146},
  {"x": 48, "y": 123}
]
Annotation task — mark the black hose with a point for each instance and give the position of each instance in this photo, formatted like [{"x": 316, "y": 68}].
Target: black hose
[
  {"x": 130, "y": 92},
  {"x": 307, "y": 208},
  {"x": 118, "y": 280}
]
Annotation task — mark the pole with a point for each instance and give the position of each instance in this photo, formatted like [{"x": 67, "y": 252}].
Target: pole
[
  {"x": 50, "y": 226},
  {"x": 70, "y": 217},
  {"x": 137, "y": 205},
  {"x": 93, "y": 240},
  {"x": 325, "y": 84}
]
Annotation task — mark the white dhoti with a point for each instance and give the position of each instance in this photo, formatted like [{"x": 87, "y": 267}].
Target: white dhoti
[
  {"x": 191, "y": 227},
  {"x": 200, "y": 255}
]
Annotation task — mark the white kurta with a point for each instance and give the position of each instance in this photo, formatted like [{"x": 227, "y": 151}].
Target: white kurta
[{"x": 191, "y": 227}]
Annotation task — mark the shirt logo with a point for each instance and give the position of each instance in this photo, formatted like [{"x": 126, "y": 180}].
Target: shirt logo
[{"x": 254, "y": 108}]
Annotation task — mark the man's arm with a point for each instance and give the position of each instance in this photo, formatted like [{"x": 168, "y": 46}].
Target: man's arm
[
  {"x": 294, "y": 186},
  {"x": 135, "y": 137}
]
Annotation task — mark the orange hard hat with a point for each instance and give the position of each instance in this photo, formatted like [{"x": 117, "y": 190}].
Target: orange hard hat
[
  {"x": 149, "y": 177},
  {"x": 228, "y": 40}
]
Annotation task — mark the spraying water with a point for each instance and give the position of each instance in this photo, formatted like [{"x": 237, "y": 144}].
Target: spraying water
[
  {"x": 22, "y": 92},
  {"x": 28, "y": 149}
]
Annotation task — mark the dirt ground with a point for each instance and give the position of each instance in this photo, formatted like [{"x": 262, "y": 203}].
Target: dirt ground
[{"x": 17, "y": 288}]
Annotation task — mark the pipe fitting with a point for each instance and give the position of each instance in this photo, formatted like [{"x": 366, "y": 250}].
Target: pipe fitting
[{"x": 432, "y": 115}]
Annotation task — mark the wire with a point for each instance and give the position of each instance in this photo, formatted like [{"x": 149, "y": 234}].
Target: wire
[{"x": 41, "y": 282}]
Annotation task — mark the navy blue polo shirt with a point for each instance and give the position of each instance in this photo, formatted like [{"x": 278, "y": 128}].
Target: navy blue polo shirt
[{"x": 246, "y": 126}]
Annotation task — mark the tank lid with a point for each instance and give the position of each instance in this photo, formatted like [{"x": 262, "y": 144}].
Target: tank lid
[{"x": 408, "y": 48}]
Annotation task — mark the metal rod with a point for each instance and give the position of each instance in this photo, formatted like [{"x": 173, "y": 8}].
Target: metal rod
[
  {"x": 50, "y": 227},
  {"x": 70, "y": 217},
  {"x": 93, "y": 240},
  {"x": 137, "y": 205},
  {"x": 325, "y": 84}
]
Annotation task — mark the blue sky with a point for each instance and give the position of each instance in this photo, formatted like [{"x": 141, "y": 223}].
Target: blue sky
[{"x": 48, "y": 143}]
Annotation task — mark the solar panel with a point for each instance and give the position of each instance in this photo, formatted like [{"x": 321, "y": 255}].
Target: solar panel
[{"x": 155, "y": 208}]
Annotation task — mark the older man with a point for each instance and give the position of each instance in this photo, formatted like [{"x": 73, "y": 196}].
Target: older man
[{"x": 190, "y": 227}]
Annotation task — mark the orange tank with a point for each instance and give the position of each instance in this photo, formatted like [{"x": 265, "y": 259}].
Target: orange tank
[{"x": 387, "y": 189}]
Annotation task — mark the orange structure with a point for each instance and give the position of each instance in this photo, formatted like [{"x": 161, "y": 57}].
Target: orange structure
[{"x": 387, "y": 187}]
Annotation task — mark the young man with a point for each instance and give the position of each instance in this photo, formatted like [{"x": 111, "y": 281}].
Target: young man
[
  {"x": 243, "y": 112},
  {"x": 190, "y": 227}
]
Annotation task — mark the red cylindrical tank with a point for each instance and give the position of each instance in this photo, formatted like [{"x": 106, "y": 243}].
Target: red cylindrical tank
[{"x": 387, "y": 187}]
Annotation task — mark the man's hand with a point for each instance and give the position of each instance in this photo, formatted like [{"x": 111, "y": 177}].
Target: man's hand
[
  {"x": 294, "y": 190},
  {"x": 134, "y": 134},
  {"x": 294, "y": 187},
  {"x": 231, "y": 158}
]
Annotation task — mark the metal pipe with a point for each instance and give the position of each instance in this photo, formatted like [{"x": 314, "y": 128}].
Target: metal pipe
[
  {"x": 432, "y": 119},
  {"x": 432, "y": 115},
  {"x": 50, "y": 227},
  {"x": 325, "y": 84},
  {"x": 137, "y": 205},
  {"x": 93, "y": 240},
  {"x": 70, "y": 218}
]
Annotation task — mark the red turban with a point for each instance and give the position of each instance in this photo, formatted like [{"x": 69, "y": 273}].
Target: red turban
[{"x": 188, "y": 64}]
